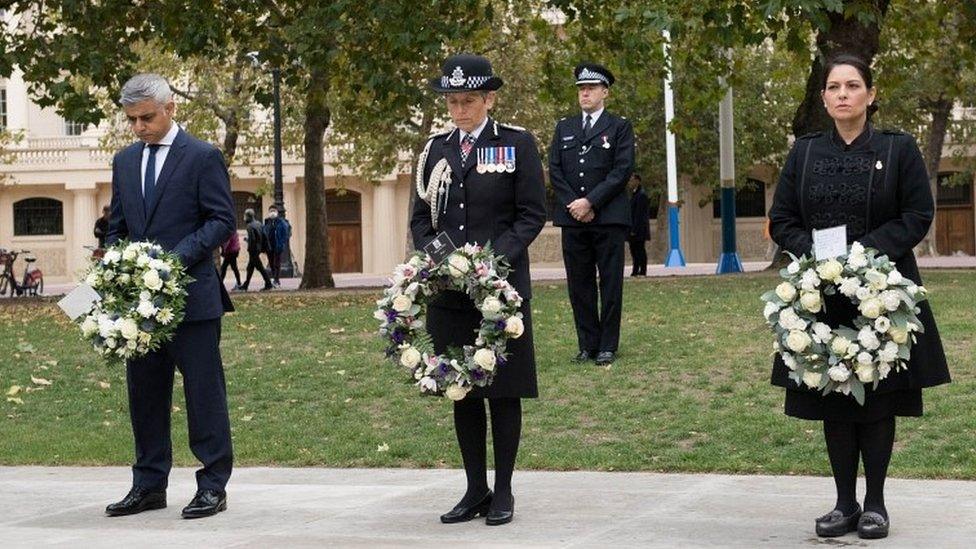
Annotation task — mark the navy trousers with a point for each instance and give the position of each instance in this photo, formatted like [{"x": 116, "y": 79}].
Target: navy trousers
[
  {"x": 195, "y": 350},
  {"x": 587, "y": 251}
]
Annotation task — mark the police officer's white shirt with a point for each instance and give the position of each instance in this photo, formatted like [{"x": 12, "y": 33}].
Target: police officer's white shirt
[
  {"x": 475, "y": 132},
  {"x": 594, "y": 116},
  {"x": 161, "y": 153}
]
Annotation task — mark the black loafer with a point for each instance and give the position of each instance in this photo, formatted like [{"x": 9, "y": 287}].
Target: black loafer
[
  {"x": 462, "y": 513},
  {"x": 136, "y": 501},
  {"x": 872, "y": 526},
  {"x": 605, "y": 358},
  {"x": 584, "y": 356},
  {"x": 836, "y": 523},
  {"x": 497, "y": 517},
  {"x": 205, "y": 503}
]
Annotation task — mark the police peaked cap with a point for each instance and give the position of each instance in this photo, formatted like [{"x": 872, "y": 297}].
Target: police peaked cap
[
  {"x": 591, "y": 73},
  {"x": 465, "y": 72}
]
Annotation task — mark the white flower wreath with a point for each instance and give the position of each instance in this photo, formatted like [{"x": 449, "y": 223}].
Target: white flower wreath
[
  {"x": 480, "y": 274},
  {"x": 843, "y": 358}
]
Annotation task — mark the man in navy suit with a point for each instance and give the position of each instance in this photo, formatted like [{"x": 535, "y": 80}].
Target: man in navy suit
[{"x": 173, "y": 189}]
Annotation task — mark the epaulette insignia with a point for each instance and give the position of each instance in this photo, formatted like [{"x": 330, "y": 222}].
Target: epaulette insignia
[{"x": 512, "y": 127}]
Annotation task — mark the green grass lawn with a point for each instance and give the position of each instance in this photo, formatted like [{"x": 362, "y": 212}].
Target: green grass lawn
[{"x": 308, "y": 386}]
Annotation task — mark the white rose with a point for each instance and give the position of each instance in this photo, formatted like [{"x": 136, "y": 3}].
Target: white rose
[
  {"x": 105, "y": 327},
  {"x": 809, "y": 281},
  {"x": 491, "y": 305},
  {"x": 123, "y": 279},
  {"x": 108, "y": 275},
  {"x": 864, "y": 293},
  {"x": 789, "y": 360},
  {"x": 456, "y": 392},
  {"x": 864, "y": 358},
  {"x": 871, "y": 308},
  {"x": 811, "y": 301},
  {"x": 899, "y": 335},
  {"x": 797, "y": 341},
  {"x": 402, "y": 303},
  {"x": 485, "y": 358},
  {"x": 868, "y": 339},
  {"x": 146, "y": 309},
  {"x": 786, "y": 291},
  {"x": 883, "y": 369},
  {"x": 459, "y": 265},
  {"x": 129, "y": 253},
  {"x": 830, "y": 270},
  {"x": 889, "y": 353},
  {"x": 770, "y": 309},
  {"x": 857, "y": 248},
  {"x": 890, "y": 299},
  {"x": 111, "y": 256},
  {"x": 895, "y": 278},
  {"x": 428, "y": 383},
  {"x": 839, "y": 345},
  {"x": 110, "y": 343},
  {"x": 127, "y": 328},
  {"x": 882, "y": 324},
  {"x": 92, "y": 279},
  {"x": 876, "y": 279},
  {"x": 152, "y": 281},
  {"x": 839, "y": 373},
  {"x": 811, "y": 379},
  {"x": 866, "y": 373},
  {"x": 849, "y": 286},
  {"x": 793, "y": 267},
  {"x": 821, "y": 331},
  {"x": 789, "y": 320},
  {"x": 158, "y": 264},
  {"x": 410, "y": 357},
  {"x": 142, "y": 261},
  {"x": 89, "y": 326},
  {"x": 514, "y": 327}
]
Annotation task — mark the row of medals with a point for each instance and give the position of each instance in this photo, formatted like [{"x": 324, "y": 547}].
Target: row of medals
[{"x": 495, "y": 167}]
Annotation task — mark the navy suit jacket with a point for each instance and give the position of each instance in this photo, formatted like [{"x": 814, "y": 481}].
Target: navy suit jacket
[{"x": 191, "y": 214}]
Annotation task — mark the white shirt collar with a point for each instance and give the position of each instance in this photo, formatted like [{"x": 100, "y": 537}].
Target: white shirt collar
[
  {"x": 594, "y": 116},
  {"x": 475, "y": 133},
  {"x": 167, "y": 140}
]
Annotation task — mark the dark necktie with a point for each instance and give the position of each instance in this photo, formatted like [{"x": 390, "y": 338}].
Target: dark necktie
[
  {"x": 587, "y": 126},
  {"x": 149, "y": 179},
  {"x": 466, "y": 145}
]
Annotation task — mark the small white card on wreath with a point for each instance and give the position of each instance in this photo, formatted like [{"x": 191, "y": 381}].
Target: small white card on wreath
[
  {"x": 79, "y": 301},
  {"x": 830, "y": 243},
  {"x": 439, "y": 248}
]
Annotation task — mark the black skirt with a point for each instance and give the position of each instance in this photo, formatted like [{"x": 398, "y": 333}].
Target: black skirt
[
  {"x": 806, "y": 404},
  {"x": 458, "y": 325}
]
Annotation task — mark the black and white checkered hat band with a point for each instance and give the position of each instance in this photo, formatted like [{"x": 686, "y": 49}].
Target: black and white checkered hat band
[
  {"x": 470, "y": 82},
  {"x": 586, "y": 76}
]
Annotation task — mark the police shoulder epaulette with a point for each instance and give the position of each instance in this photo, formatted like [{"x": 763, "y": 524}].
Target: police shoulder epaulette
[
  {"x": 512, "y": 127},
  {"x": 811, "y": 135},
  {"x": 563, "y": 118},
  {"x": 438, "y": 134}
]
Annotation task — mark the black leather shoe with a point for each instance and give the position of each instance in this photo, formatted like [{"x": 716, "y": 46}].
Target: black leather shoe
[
  {"x": 605, "y": 358},
  {"x": 496, "y": 517},
  {"x": 872, "y": 526},
  {"x": 584, "y": 356},
  {"x": 462, "y": 513},
  {"x": 205, "y": 504},
  {"x": 136, "y": 501},
  {"x": 835, "y": 523}
]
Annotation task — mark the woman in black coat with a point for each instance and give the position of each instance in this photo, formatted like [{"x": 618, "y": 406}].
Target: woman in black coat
[
  {"x": 504, "y": 207},
  {"x": 875, "y": 183},
  {"x": 640, "y": 227}
]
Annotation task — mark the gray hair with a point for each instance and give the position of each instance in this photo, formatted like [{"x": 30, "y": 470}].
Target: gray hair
[
  {"x": 248, "y": 213},
  {"x": 145, "y": 86}
]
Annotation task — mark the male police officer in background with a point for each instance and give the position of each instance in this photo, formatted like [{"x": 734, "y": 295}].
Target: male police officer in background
[{"x": 590, "y": 161}]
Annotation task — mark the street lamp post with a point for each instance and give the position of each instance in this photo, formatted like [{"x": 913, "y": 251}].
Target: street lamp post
[{"x": 287, "y": 266}]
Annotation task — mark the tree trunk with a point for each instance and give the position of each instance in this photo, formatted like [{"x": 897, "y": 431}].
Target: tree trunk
[
  {"x": 232, "y": 132},
  {"x": 659, "y": 236},
  {"x": 843, "y": 35},
  {"x": 941, "y": 111},
  {"x": 318, "y": 270},
  {"x": 426, "y": 122}
]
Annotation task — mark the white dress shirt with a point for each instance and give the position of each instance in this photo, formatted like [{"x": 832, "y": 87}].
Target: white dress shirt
[
  {"x": 594, "y": 116},
  {"x": 161, "y": 154},
  {"x": 475, "y": 132}
]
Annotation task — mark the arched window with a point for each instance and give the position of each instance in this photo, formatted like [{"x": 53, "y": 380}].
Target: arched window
[
  {"x": 242, "y": 201},
  {"x": 38, "y": 216}
]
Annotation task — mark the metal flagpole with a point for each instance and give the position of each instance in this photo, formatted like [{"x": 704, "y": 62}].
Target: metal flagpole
[
  {"x": 729, "y": 261},
  {"x": 675, "y": 257}
]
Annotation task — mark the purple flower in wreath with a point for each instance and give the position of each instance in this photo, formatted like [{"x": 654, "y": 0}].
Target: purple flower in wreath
[
  {"x": 500, "y": 325},
  {"x": 500, "y": 360},
  {"x": 478, "y": 374},
  {"x": 424, "y": 274},
  {"x": 398, "y": 337},
  {"x": 391, "y": 316},
  {"x": 445, "y": 368}
]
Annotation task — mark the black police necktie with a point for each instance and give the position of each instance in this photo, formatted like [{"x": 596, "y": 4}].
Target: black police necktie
[
  {"x": 587, "y": 126},
  {"x": 149, "y": 180},
  {"x": 466, "y": 145}
]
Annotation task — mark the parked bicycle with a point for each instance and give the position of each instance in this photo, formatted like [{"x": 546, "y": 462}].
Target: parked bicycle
[{"x": 31, "y": 284}]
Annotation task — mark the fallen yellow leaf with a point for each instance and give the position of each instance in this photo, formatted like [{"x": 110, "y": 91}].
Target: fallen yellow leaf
[
  {"x": 15, "y": 400},
  {"x": 104, "y": 385},
  {"x": 13, "y": 390},
  {"x": 40, "y": 381}
]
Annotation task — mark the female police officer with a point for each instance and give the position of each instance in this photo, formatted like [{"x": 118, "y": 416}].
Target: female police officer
[{"x": 507, "y": 208}]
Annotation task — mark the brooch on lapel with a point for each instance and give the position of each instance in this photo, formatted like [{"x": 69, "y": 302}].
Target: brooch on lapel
[
  {"x": 606, "y": 142},
  {"x": 496, "y": 159}
]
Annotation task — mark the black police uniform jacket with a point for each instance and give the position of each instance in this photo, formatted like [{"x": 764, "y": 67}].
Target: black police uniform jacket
[
  {"x": 596, "y": 167},
  {"x": 506, "y": 209},
  {"x": 879, "y": 188}
]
